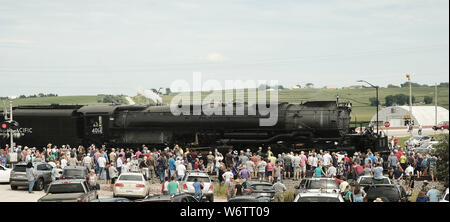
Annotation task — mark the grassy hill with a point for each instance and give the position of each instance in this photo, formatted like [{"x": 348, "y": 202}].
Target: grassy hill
[
  {"x": 62, "y": 100},
  {"x": 362, "y": 111}
]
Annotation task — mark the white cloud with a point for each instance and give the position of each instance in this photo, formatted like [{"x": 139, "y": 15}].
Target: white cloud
[{"x": 216, "y": 57}]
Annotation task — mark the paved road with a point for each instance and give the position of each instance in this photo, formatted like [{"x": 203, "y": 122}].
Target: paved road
[{"x": 404, "y": 133}]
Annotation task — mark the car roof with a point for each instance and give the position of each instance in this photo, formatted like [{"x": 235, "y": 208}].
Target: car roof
[
  {"x": 140, "y": 174},
  {"x": 65, "y": 181},
  {"x": 321, "y": 178},
  {"x": 75, "y": 167},
  {"x": 196, "y": 173},
  {"x": 253, "y": 182},
  {"x": 319, "y": 194}
]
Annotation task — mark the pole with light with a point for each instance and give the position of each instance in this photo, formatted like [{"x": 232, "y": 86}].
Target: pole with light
[
  {"x": 410, "y": 104},
  {"x": 377, "y": 102}
]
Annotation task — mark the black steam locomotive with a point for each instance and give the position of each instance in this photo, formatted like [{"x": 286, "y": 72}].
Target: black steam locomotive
[{"x": 316, "y": 124}]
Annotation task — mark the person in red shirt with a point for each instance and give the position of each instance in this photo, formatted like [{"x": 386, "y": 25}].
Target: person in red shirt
[
  {"x": 359, "y": 170},
  {"x": 398, "y": 155},
  {"x": 396, "y": 141}
]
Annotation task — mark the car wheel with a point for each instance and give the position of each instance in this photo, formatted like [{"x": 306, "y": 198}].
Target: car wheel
[
  {"x": 211, "y": 198},
  {"x": 39, "y": 185},
  {"x": 13, "y": 187},
  {"x": 442, "y": 128}
]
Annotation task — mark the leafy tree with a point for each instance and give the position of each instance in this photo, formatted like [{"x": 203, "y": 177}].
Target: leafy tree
[
  {"x": 428, "y": 99},
  {"x": 443, "y": 84},
  {"x": 392, "y": 86},
  {"x": 309, "y": 85},
  {"x": 168, "y": 91},
  {"x": 373, "y": 101},
  {"x": 442, "y": 153}
]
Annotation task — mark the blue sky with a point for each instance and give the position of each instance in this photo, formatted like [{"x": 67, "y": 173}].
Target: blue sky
[{"x": 91, "y": 47}]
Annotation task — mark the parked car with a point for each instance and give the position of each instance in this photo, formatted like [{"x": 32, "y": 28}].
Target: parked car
[
  {"x": 69, "y": 191},
  {"x": 426, "y": 147},
  {"x": 187, "y": 182},
  {"x": 131, "y": 185},
  {"x": 319, "y": 197},
  {"x": 19, "y": 178},
  {"x": 445, "y": 196},
  {"x": 184, "y": 197},
  {"x": 257, "y": 188},
  {"x": 442, "y": 125},
  {"x": 417, "y": 141},
  {"x": 75, "y": 172},
  {"x": 5, "y": 173},
  {"x": 308, "y": 185},
  {"x": 250, "y": 198},
  {"x": 118, "y": 199},
  {"x": 366, "y": 181},
  {"x": 387, "y": 193}
]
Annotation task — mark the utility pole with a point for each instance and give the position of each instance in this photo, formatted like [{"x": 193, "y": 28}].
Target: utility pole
[
  {"x": 435, "y": 106},
  {"x": 410, "y": 105},
  {"x": 377, "y": 102},
  {"x": 11, "y": 120}
]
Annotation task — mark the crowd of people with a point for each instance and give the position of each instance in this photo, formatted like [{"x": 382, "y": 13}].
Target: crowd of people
[{"x": 235, "y": 167}]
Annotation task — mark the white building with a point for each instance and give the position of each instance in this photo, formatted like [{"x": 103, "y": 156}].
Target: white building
[{"x": 398, "y": 116}]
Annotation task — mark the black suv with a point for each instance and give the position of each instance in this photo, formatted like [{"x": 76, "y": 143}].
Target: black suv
[{"x": 387, "y": 193}]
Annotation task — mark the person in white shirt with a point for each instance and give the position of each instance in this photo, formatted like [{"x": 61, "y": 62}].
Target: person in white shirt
[
  {"x": 181, "y": 170},
  {"x": 331, "y": 172},
  {"x": 63, "y": 162},
  {"x": 327, "y": 160},
  {"x": 119, "y": 165},
  {"x": 409, "y": 172},
  {"x": 101, "y": 167},
  {"x": 87, "y": 162},
  {"x": 228, "y": 177}
]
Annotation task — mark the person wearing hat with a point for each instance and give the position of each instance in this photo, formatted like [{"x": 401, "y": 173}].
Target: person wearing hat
[
  {"x": 424, "y": 187},
  {"x": 378, "y": 200}
]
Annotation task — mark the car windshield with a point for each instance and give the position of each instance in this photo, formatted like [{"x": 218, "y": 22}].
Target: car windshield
[
  {"x": 389, "y": 192},
  {"x": 20, "y": 168},
  {"x": 66, "y": 188},
  {"x": 323, "y": 184},
  {"x": 130, "y": 177},
  {"x": 74, "y": 173},
  {"x": 204, "y": 178},
  {"x": 318, "y": 199},
  {"x": 262, "y": 187},
  {"x": 368, "y": 180}
]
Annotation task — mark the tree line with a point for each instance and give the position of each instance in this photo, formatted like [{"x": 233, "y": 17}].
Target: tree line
[{"x": 399, "y": 99}]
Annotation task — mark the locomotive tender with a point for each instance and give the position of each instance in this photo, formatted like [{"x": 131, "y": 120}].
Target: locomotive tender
[{"x": 315, "y": 124}]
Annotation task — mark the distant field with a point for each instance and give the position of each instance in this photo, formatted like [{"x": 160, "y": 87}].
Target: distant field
[
  {"x": 359, "y": 98},
  {"x": 62, "y": 100}
]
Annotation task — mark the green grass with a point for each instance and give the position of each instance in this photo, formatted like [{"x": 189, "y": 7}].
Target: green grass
[{"x": 62, "y": 100}]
